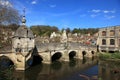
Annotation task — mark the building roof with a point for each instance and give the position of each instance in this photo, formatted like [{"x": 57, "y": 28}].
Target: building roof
[{"x": 23, "y": 31}]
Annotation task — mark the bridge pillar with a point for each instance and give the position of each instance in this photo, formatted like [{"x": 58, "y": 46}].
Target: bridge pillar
[
  {"x": 89, "y": 54},
  {"x": 21, "y": 63},
  {"x": 65, "y": 56},
  {"x": 46, "y": 57},
  {"x": 79, "y": 54}
]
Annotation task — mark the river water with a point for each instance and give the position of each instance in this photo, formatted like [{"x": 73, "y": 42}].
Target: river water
[{"x": 87, "y": 69}]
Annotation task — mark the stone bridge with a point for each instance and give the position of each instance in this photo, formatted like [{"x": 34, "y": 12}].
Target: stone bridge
[
  {"x": 64, "y": 51},
  {"x": 26, "y": 51},
  {"x": 49, "y": 52}
]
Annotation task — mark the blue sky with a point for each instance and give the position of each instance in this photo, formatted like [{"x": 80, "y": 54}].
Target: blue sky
[{"x": 71, "y": 13}]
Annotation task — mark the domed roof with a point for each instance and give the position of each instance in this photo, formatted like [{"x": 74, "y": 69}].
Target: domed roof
[{"x": 23, "y": 31}]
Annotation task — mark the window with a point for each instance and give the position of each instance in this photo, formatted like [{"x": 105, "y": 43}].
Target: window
[
  {"x": 19, "y": 38},
  {"x": 112, "y": 32},
  {"x": 112, "y": 42},
  {"x": 103, "y": 33},
  {"x": 103, "y": 42}
]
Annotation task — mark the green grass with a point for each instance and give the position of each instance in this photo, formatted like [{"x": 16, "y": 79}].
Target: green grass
[{"x": 105, "y": 56}]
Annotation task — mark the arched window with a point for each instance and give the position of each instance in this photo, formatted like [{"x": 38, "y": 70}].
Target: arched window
[
  {"x": 112, "y": 42},
  {"x": 103, "y": 42},
  {"x": 103, "y": 33},
  {"x": 112, "y": 32}
]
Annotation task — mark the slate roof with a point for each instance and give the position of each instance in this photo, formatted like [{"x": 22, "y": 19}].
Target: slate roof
[{"x": 23, "y": 32}]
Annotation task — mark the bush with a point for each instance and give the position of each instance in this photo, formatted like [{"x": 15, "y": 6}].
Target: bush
[{"x": 109, "y": 56}]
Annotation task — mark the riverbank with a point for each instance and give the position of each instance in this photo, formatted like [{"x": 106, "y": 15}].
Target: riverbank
[{"x": 110, "y": 56}]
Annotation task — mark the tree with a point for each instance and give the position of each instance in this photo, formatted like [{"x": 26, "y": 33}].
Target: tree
[
  {"x": 68, "y": 30},
  {"x": 75, "y": 30},
  {"x": 8, "y": 14},
  {"x": 45, "y": 30}
]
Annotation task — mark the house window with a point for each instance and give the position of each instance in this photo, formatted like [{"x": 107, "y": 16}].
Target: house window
[
  {"x": 112, "y": 42},
  {"x": 19, "y": 38},
  {"x": 103, "y": 33},
  {"x": 103, "y": 42},
  {"x": 112, "y": 32}
]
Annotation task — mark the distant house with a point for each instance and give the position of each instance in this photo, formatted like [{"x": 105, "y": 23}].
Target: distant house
[{"x": 109, "y": 39}]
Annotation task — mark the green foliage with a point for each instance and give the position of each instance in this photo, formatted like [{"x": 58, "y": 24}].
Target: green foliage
[
  {"x": 85, "y": 31},
  {"x": 46, "y": 30},
  {"x": 109, "y": 56},
  {"x": 6, "y": 74},
  {"x": 43, "y": 30},
  {"x": 104, "y": 56}
]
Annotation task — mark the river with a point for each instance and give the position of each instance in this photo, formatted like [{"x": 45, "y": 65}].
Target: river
[{"x": 87, "y": 69}]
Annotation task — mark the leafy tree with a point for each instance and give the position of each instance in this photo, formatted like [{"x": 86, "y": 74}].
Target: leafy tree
[
  {"x": 43, "y": 30},
  {"x": 8, "y": 14},
  {"x": 68, "y": 30},
  {"x": 75, "y": 30}
]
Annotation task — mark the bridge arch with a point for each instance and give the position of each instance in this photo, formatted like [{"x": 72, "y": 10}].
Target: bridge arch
[
  {"x": 6, "y": 61},
  {"x": 84, "y": 53},
  {"x": 36, "y": 59},
  {"x": 93, "y": 52},
  {"x": 72, "y": 54},
  {"x": 56, "y": 56}
]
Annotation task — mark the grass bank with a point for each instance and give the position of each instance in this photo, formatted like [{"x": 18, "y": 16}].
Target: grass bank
[{"x": 109, "y": 56}]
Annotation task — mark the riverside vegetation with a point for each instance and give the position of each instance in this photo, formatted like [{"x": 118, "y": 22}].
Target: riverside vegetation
[{"x": 110, "y": 56}]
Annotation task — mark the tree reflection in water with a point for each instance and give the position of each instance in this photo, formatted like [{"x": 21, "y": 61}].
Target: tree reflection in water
[{"x": 109, "y": 70}]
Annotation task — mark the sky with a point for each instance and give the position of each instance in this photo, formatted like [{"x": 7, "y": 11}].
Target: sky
[{"x": 70, "y": 13}]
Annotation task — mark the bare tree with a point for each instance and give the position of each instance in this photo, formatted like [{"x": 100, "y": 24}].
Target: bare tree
[{"x": 8, "y": 14}]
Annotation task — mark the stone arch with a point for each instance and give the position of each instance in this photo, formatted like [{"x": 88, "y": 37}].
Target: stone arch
[
  {"x": 93, "y": 52},
  {"x": 72, "y": 54},
  {"x": 84, "y": 53},
  {"x": 56, "y": 56},
  {"x": 6, "y": 61}
]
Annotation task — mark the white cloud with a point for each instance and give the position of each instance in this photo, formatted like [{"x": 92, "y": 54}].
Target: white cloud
[
  {"x": 5, "y": 3},
  {"x": 109, "y": 11},
  {"x": 95, "y": 11},
  {"x": 34, "y": 2},
  {"x": 52, "y": 6},
  {"x": 102, "y": 11},
  {"x": 93, "y": 15},
  {"x": 106, "y": 11},
  {"x": 109, "y": 17}
]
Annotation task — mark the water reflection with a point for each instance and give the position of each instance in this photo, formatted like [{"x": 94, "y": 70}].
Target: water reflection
[
  {"x": 56, "y": 65},
  {"x": 57, "y": 70},
  {"x": 109, "y": 70}
]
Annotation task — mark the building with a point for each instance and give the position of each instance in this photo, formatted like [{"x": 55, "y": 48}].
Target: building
[
  {"x": 23, "y": 39},
  {"x": 109, "y": 39}
]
